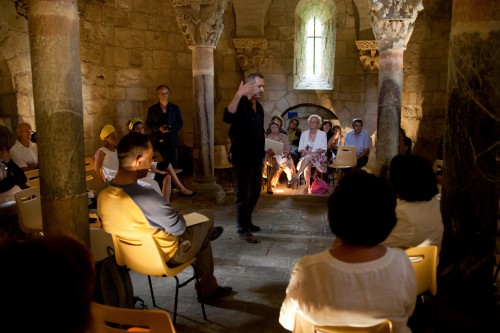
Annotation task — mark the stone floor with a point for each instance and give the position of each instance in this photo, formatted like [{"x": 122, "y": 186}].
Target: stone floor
[{"x": 293, "y": 225}]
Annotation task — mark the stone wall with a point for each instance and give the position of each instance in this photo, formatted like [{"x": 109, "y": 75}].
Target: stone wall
[{"x": 130, "y": 47}]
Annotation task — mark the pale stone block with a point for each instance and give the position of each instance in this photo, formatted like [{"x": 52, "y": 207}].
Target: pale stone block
[
  {"x": 275, "y": 95},
  {"x": 137, "y": 93},
  {"x": 113, "y": 17},
  {"x": 19, "y": 41},
  {"x": 352, "y": 84},
  {"x": 311, "y": 98},
  {"x": 184, "y": 60},
  {"x": 128, "y": 76},
  {"x": 228, "y": 80},
  {"x": 121, "y": 56},
  {"x": 154, "y": 39},
  {"x": 135, "y": 58},
  {"x": 292, "y": 99},
  {"x": 91, "y": 12},
  {"x": 176, "y": 42},
  {"x": 164, "y": 59},
  {"x": 341, "y": 49},
  {"x": 101, "y": 34},
  {"x": 275, "y": 81},
  {"x": 129, "y": 38},
  {"x": 282, "y": 105},
  {"x": 92, "y": 107},
  {"x": 412, "y": 98},
  {"x": 116, "y": 92},
  {"x": 137, "y": 21},
  {"x": 123, "y": 4},
  {"x": 230, "y": 63},
  {"x": 344, "y": 66},
  {"x": 345, "y": 96},
  {"x": 98, "y": 92}
]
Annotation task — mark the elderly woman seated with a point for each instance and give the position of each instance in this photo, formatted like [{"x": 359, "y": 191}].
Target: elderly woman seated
[
  {"x": 357, "y": 281},
  {"x": 312, "y": 147},
  {"x": 278, "y": 162}
]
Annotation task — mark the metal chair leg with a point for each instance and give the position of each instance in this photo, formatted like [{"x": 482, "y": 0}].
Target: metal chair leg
[
  {"x": 151, "y": 289},
  {"x": 199, "y": 295}
]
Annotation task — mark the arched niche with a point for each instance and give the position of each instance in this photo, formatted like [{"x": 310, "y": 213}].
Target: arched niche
[{"x": 304, "y": 110}]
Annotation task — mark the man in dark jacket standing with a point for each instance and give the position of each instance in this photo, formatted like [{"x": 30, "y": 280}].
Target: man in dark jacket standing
[
  {"x": 246, "y": 116},
  {"x": 164, "y": 120}
]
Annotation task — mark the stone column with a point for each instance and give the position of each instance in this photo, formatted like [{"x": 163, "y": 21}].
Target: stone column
[
  {"x": 471, "y": 179},
  {"x": 250, "y": 53},
  {"x": 392, "y": 23},
  {"x": 369, "y": 61},
  {"x": 201, "y": 24},
  {"x": 57, "y": 93}
]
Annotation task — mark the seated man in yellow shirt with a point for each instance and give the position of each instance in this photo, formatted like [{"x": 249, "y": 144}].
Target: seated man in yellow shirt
[{"x": 128, "y": 209}]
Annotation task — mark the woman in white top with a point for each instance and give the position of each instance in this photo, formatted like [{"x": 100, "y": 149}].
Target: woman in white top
[
  {"x": 357, "y": 281},
  {"x": 106, "y": 160},
  {"x": 418, "y": 210},
  {"x": 312, "y": 146}
]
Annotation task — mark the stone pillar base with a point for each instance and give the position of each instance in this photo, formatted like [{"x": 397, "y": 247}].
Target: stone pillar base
[{"x": 208, "y": 191}]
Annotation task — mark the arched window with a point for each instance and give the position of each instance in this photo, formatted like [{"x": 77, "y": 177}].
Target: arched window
[{"x": 314, "y": 44}]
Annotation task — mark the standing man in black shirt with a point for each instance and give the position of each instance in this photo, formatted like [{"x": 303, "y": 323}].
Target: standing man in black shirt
[
  {"x": 165, "y": 121},
  {"x": 246, "y": 116}
]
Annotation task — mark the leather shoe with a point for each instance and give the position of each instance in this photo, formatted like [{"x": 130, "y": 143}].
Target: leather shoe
[
  {"x": 249, "y": 238},
  {"x": 216, "y": 232},
  {"x": 254, "y": 228},
  {"x": 269, "y": 191},
  {"x": 186, "y": 195},
  {"x": 220, "y": 292}
]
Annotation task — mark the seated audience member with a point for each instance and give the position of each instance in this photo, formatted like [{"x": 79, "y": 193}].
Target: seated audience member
[
  {"x": 336, "y": 140},
  {"x": 106, "y": 160},
  {"x": 278, "y": 162},
  {"x": 294, "y": 133},
  {"x": 312, "y": 148},
  {"x": 47, "y": 285},
  {"x": 357, "y": 281},
  {"x": 129, "y": 209},
  {"x": 418, "y": 212},
  {"x": 359, "y": 138},
  {"x": 24, "y": 152},
  {"x": 404, "y": 143},
  {"x": 276, "y": 119},
  {"x": 12, "y": 178},
  {"x": 326, "y": 126},
  {"x": 161, "y": 170}
]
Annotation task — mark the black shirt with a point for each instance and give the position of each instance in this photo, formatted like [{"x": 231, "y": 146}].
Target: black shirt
[{"x": 246, "y": 133}]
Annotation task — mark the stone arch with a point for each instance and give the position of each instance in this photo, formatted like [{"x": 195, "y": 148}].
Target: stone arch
[{"x": 304, "y": 110}]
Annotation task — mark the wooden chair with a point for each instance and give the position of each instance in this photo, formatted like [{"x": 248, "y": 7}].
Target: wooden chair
[
  {"x": 144, "y": 255},
  {"x": 32, "y": 177},
  {"x": 304, "y": 326},
  {"x": 424, "y": 262},
  {"x": 346, "y": 158},
  {"x": 221, "y": 163},
  {"x": 89, "y": 163},
  {"x": 29, "y": 209},
  {"x": 109, "y": 319}
]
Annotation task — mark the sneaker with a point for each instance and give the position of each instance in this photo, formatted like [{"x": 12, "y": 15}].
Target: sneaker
[
  {"x": 216, "y": 232},
  {"x": 220, "y": 292},
  {"x": 254, "y": 228},
  {"x": 249, "y": 238}
]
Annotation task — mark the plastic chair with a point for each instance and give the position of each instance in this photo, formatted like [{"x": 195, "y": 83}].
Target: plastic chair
[
  {"x": 32, "y": 178},
  {"x": 346, "y": 158},
  {"x": 221, "y": 162},
  {"x": 89, "y": 163},
  {"x": 424, "y": 262},
  {"x": 29, "y": 208},
  {"x": 143, "y": 255},
  {"x": 304, "y": 326},
  {"x": 100, "y": 240},
  {"x": 109, "y": 319}
]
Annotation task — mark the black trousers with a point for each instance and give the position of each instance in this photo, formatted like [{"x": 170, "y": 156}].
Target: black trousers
[{"x": 247, "y": 187}]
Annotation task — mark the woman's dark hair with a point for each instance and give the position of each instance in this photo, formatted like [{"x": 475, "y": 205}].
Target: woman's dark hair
[
  {"x": 325, "y": 122},
  {"x": 337, "y": 126},
  {"x": 52, "y": 278},
  {"x": 361, "y": 209},
  {"x": 296, "y": 120},
  {"x": 412, "y": 178}
]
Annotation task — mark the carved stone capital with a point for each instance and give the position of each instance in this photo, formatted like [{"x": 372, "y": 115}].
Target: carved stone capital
[
  {"x": 250, "y": 52},
  {"x": 393, "y": 21},
  {"x": 201, "y": 21},
  {"x": 368, "y": 55}
]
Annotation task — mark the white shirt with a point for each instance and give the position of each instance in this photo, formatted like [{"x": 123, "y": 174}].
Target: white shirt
[
  {"x": 327, "y": 291},
  {"x": 23, "y": 155},
  {"x": 419, "y": 224}
]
